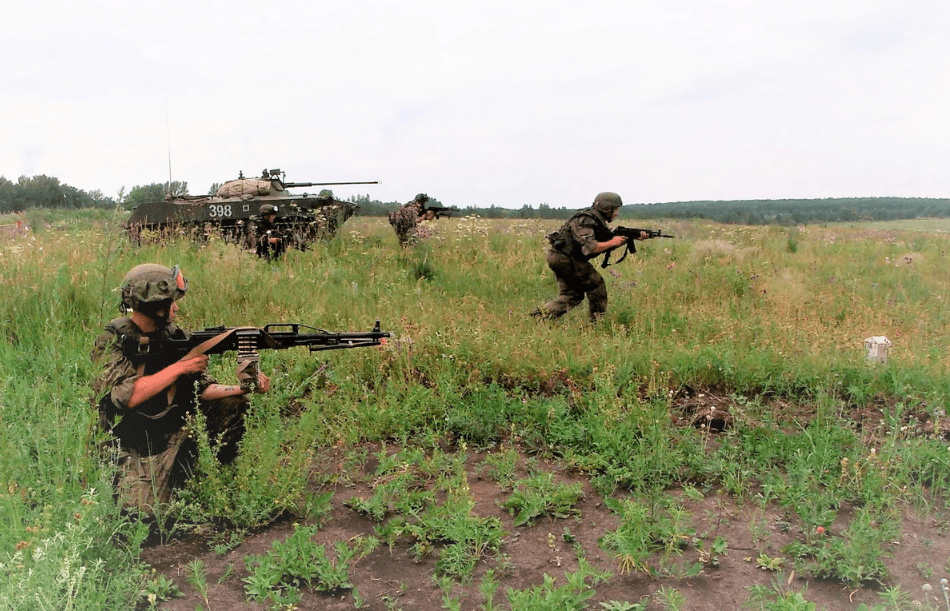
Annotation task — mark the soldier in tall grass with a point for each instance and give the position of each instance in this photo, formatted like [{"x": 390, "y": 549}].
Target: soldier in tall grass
[
  {"x": 584, "y": 236},
  {"x": 407, "y": 217},
  {"x": 269, "y": 242},
  {"x": 147, "y": 398}
]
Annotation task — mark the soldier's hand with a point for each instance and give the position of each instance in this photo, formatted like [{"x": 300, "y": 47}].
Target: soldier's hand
[
  {"x": 197, "y": 364},
  {"x": 263, "y": 383},
  {"x": 643, "y": 236}
]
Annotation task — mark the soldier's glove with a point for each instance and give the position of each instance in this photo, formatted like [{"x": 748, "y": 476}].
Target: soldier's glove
[{"x": 247, "y": 374}]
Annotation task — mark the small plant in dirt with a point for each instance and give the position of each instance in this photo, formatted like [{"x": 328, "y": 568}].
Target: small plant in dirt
[
  {"x": 769, "y": 563},
  {"x": 541, "y": 495},
  {"x": 663, "y": 530},
  {"x": 710, "y": 554},
  {"x": 571, "y": 596},
  {"x": 198, "y": 578},
  {"x": 277, "y": 576},
  {"x": 464, "y": 538},
  {"x": 895, "y": 599},
  {"x": 777, "y": 597},
  {"x": 854, "y": 557},
  {"x": 616, "y": 605},
  {"x": 400, "y": 492},
  {"x": 501, "y": 467},
  {"x": 159, "y": 589},
  {"x": 398, "y": 484},
  {"x": 670, "y": 599},
  {"x": 488, "y": 587}
]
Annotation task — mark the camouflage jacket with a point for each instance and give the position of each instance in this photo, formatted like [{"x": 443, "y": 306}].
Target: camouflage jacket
[
  {"x": 121, "y": 355},
  {"x": 578, "y": 237},
  {"x": 405, "y": 217}
]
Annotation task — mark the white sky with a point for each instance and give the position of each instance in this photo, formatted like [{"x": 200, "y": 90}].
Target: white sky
[{"x": 508, "y": 102}]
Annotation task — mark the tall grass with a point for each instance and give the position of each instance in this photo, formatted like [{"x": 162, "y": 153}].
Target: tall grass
[{"x": 733, "y": 310}]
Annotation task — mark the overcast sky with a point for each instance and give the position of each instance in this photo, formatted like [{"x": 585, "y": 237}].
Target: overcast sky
[{"x": 508, "y": 103}]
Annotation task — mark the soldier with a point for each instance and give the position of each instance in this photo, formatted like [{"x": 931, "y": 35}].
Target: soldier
[
  {"x": 269, "y": 242},
  {"x": 155, "y": 396},
  {"x": 584, "y": 236},
  {"x": 407, "y": 217}
]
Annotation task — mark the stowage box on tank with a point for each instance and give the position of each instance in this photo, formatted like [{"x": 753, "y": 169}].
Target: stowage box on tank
[{"x": 236, "y": 205}]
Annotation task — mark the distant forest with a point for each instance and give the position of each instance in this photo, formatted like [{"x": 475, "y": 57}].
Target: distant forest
[
  {"x": 744, "y": 212},
  {"x": 47, "y": 192}
]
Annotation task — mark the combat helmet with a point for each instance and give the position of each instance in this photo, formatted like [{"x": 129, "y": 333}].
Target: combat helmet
[
  {"x": 268, "y": 209},
  {"x": 607, "y": 202},
  {"x": 152, "y": 284},
  {"x": 421, "y": 198}
]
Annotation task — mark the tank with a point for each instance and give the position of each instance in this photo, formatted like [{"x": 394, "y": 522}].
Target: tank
[{"x": 232, "y": 210}]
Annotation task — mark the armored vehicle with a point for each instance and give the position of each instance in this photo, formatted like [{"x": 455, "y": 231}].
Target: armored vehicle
[{"x": 235, "y": 207}]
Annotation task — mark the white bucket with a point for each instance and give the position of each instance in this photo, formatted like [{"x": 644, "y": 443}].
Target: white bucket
[{"x": 877, "y": 348}]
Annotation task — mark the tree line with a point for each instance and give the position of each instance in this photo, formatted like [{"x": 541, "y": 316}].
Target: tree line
[
  {"x": 797, "y": 211},
  {"x": 48, "y": 192},
  {"x": 741, "y": 212}
]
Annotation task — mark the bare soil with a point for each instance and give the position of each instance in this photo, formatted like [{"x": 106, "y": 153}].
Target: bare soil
[{"x": 393, "y": 579}]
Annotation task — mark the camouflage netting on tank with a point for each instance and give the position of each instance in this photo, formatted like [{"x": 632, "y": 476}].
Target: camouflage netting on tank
[{"x": 252, "y": 187}]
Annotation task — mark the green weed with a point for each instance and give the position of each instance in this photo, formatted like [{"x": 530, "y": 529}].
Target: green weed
[
  {"x": 662, "y": 532},
  {"x": 297, "y": 562},
  {"x": 854, "y": 557},
  {"x": 778, "y": 597},
  {"x": 541, "y": 495},
  {"x": 570, "y": 596}
]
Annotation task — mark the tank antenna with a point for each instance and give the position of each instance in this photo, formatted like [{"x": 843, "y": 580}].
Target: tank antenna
[{"x": 168, "y": 135}]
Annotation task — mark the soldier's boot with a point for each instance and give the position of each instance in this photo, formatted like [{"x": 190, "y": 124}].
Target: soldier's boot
[{"x": 540, "y": 314}]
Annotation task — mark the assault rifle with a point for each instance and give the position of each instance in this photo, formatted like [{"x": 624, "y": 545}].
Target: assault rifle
[
  {"x": 631, "y": 234},
  {"x": 440, "y": 211},
  {"x": 247, "y": 341}
]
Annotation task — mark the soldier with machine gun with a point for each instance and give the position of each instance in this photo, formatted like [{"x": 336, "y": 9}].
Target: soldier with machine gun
[{"x": 152, "y": 381}]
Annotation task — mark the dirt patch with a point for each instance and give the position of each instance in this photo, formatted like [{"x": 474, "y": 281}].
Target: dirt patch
[{"x": 390, "y": 579}]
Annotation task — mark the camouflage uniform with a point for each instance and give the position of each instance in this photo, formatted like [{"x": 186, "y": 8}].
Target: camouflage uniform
[
  {"x": 151, "y": 444},
  {"x": 407, "y": 217},
  {"x": 572, "y": 247},
  {"x": 262, "y": 230}
]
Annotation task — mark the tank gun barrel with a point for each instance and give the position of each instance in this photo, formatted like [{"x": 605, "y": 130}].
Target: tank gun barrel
[{"x": 328, "y": 184}]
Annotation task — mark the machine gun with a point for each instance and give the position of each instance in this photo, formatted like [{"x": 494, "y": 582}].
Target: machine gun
[
  {"x": 248, "y": 341},
  {"x": 631, "y": 234}
]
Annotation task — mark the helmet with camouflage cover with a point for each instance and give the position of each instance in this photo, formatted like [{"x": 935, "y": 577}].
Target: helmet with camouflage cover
[
  {"x": 421, "y": 198},
  {"x": 152, "y": 286},
  {"x": 268, "y": 209},
  {"x": 607, "y": 202}
]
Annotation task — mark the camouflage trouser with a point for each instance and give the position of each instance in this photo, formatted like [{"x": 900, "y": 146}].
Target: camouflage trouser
[
  {"x": 143, "y": 481},
  {"x": 575, "y": 279}
]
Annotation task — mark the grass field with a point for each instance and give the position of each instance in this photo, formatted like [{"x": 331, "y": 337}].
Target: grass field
[{"x": 771, "y": 318}]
